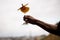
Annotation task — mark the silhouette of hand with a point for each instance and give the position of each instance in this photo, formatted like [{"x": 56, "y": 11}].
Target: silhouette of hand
[{"x": 29, "y": 19}]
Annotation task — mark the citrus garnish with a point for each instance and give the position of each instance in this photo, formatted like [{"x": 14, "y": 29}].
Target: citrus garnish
[{"x": 24, "y": 9}]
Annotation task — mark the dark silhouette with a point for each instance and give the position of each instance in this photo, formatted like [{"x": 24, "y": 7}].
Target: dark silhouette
[{"x": 54, "y": 29}]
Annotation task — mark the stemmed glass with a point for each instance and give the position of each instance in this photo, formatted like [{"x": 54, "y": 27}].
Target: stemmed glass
[{"x": 24, "y": 9}]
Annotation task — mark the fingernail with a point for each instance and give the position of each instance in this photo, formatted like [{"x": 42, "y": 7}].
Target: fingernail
[{"x": 26, "y": 19}]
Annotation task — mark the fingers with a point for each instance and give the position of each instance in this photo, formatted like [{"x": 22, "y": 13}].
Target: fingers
[
  {"x": 29, "y": 19},
  {"x": 26, "y": 17}
]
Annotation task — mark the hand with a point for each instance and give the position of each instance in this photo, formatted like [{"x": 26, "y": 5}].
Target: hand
[{"x": 29, "y": 19}]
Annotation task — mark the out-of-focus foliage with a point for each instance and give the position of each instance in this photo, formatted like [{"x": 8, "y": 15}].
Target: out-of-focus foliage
[{"x": 52, "y": 37}]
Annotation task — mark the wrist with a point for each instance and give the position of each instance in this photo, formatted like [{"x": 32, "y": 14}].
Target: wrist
[{"x": 36, "y": 22}]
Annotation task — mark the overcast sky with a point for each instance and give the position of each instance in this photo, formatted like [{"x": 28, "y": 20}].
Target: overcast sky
[{"x": 11, "y": 19}]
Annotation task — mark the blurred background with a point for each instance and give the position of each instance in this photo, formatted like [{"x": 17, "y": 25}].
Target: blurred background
[{"x": 11, "y": 20}]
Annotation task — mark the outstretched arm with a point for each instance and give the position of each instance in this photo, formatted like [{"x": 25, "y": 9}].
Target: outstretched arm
[
  {"x": 48, "y": 27},
  {"x": 30, "y": 19}
]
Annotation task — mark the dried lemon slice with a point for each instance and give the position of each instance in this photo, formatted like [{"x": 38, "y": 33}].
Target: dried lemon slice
[{"x": 24, "y": 9}]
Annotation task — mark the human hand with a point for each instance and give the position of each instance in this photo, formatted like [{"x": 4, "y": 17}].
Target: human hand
[{"x": 29, "y": 19}]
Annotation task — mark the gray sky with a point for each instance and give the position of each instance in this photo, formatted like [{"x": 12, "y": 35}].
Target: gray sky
[{"x": 11, "y": 19}]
